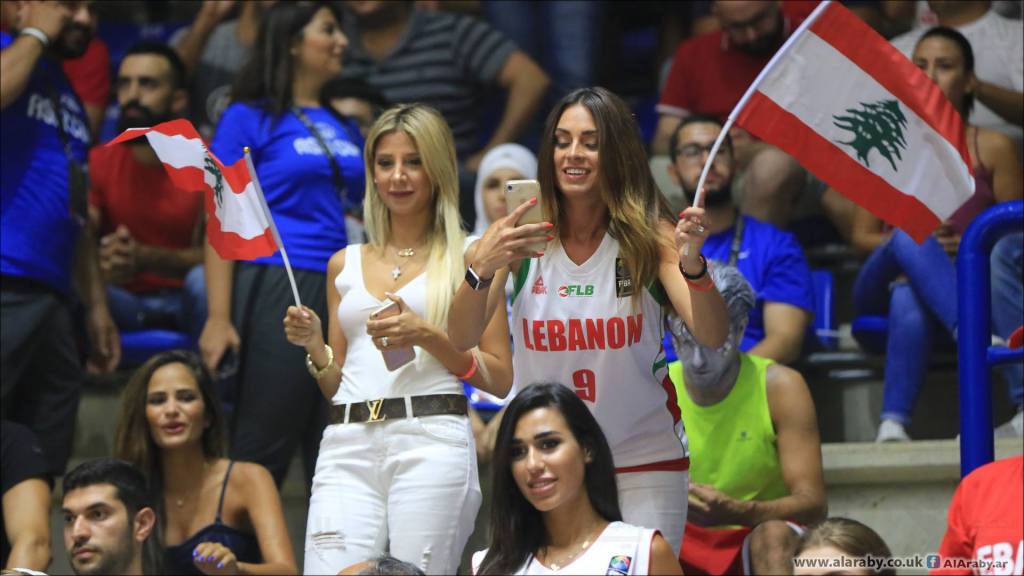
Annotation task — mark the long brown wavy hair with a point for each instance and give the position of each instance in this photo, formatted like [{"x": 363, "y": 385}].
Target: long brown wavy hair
[
  {"x": 635, "y": 204},
  {"x": 134, "y": 442}
]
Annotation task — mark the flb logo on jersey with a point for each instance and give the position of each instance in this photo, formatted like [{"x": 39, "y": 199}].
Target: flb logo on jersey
[
  {"x": 619, "y": 566},
  {"x": 539, "y": 287},
  {"x": 576, "y": 290}
]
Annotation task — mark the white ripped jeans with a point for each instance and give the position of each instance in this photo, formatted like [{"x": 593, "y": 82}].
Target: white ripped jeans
[
  {"x": 656, "y": 499},
  {"x": 407, "y": 486}
]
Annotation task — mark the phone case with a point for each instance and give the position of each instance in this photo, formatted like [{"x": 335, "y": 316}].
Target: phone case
[
  {"x": 394, "y": 358},
  {"x": 519, "y": 191}
]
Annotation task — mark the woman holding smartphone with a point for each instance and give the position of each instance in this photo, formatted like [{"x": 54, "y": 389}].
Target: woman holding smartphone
[
  {"x": 589, "y": 310},
  {"x": 397, "y": 465}
]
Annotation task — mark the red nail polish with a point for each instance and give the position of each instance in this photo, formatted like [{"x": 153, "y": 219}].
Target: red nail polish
[{"x": 550, "y": 237}]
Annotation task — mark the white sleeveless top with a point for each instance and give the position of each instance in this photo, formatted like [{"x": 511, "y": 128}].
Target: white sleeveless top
[
  {"x": 621, "y": 549},
  {"x": 364, "y": 375},
  {"x": 576, "y": 325}
]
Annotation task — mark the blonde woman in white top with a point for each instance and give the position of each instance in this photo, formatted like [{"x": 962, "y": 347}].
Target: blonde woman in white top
[{"x": 397, "y": 468}]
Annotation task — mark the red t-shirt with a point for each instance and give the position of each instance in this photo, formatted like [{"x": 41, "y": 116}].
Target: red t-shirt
[
  {"x": 986, "y": 520},
  {"x": 90, "y": 73},
  {"x": 709, "y": 75},
  {"x": 142, "y": 198}
]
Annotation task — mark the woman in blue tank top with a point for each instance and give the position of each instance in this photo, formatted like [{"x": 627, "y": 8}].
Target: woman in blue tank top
[{"x": 217, "y": 515}]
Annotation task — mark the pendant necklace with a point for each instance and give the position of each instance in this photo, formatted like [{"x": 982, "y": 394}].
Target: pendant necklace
[{"x": 396, "y": 272}]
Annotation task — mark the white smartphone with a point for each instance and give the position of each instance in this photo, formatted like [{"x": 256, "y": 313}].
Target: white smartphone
[
  {"x": 520, "y": 191},
  {"x": 394, "y": 358}
]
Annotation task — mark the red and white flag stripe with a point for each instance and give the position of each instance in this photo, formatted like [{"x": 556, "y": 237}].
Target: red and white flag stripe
[
  {"x": 816, "y": 102},
  {"x": 238, "y": 225}
]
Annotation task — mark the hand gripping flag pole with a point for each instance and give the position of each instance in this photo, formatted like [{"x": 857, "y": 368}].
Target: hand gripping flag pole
[
  {"x": 743, "y": 101},
  {"x": 273, "y": 227}
]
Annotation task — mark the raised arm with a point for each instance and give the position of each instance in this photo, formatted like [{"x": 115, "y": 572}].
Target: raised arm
[
  {"x": 501, "y": 248},
  {"x": 525, "y": 85},
  {"x": 699, "y": 304},
  {"x": 19, "y": 58},
  {"x": 190, "y": 48}
]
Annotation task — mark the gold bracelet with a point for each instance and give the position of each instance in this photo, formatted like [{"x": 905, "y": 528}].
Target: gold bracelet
[{"x": 318, "y": 373}]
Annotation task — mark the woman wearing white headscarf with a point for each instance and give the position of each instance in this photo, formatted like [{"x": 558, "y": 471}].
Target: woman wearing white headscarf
[{"x": 500, "y": 164}]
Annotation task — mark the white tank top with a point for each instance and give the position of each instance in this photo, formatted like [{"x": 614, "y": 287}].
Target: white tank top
[
  {"x": 364, "y": 376},
  {"x": 576, "y": 325},
  {"x": 621, "y": 549}
]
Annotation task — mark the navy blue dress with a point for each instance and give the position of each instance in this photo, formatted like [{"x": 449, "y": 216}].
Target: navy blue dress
[{"x": 246, "y": 548}]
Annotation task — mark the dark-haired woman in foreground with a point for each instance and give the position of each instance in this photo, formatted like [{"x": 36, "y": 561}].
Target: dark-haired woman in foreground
[
  {"x": 556, "y": 506},
  {"x": 217, "y": 516}
]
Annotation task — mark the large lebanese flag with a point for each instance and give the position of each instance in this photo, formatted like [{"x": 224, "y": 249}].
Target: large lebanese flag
[
  {"x": 855, "y": 112},
  {"x": 238, "y": 224}
]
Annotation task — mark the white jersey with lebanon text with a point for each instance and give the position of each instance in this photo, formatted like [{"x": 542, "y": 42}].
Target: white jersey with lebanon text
[
  {"x": 578, "y": 325},
  {"x": 621, "y": 549}
]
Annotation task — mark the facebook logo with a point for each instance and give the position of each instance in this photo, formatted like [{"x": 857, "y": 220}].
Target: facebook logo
[{"x": 932, "y": 560}]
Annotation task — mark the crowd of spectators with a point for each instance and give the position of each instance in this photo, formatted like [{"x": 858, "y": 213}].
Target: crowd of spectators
[{"x": 97, "y": 241}]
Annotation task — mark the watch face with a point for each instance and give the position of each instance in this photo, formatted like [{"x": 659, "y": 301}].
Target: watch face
[{"x": 474, "y": 281}]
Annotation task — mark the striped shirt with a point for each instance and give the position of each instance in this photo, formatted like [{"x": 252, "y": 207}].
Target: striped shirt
[{"x": 444, "y": 60}]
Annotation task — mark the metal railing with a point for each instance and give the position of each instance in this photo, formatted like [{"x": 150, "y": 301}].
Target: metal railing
[{"x": 974, "y": 332}]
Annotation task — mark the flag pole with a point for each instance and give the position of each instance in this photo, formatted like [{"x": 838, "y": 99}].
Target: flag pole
[
  {"x": 273, "y": 227},
  {"x": 750, "y": 91}
]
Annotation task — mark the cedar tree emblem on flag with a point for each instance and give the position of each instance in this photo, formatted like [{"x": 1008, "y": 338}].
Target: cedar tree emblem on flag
[
  {"x": 239, "y": 225},
  {"x": 877, "y": 125},
  {"x": 218, "y": 186}
]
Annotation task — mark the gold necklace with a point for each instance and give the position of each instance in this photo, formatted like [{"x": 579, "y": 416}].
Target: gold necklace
[
  {"x": 396, "y": 271},
  {"x": 556, "y": 566}
]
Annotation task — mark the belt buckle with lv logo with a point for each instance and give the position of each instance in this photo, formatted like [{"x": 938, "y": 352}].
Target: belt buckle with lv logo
[{"x": 375, "y": 406}]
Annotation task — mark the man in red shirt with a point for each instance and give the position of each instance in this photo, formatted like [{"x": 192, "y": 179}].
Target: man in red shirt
[
  {"x": 151, "y": 245},
  {"x": 709, "y": 75},
  {"x": 985, "y": 528}
]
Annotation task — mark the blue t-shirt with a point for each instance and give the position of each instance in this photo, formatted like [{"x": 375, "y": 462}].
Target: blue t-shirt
[
  {"x": 774, "y": 264},
  {"x": 296, "y": 176},
  {"x": 37, "y": 229}
]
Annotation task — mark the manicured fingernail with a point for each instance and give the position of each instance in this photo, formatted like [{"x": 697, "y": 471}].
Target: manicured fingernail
[
  {"x": 549, "y": 225},
  {"x": 550, "y": 237},
  {"x": 533, "y": 200},
  {"x": 539, "y": 254},
  {"x": 220, "y": 564},
  {"x": 195, "y": 553}
]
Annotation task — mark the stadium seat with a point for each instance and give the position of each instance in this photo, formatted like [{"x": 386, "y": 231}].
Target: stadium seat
[
  {"x": 478, "y": 401},
  {"x": 138, "y": 346},
  {"x": 824, "y": 324},
  {"x": 871, "y": 333}
]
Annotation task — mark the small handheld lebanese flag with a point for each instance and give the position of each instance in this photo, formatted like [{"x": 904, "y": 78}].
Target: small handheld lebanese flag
[
  {"x": 238, "y": 226},
  {"x": 856, "y": 113}
]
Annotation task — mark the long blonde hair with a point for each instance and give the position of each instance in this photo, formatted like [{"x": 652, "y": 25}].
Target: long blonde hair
[
  {"x": 635, "y": 205},
  {"x": 445, "y": 238}
]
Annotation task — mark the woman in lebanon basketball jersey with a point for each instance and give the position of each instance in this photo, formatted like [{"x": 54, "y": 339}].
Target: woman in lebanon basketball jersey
[
  {"x": 588, "y": 311},
  {"x": 555, "y": 508}
]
